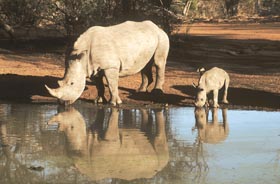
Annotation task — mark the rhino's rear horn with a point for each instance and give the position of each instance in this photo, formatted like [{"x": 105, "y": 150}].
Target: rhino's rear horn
[{"x": 195, "y": 86}]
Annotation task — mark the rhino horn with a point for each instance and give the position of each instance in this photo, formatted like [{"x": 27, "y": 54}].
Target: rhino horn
[
  {"x": 60, "y": 83},
  {"x": 195, "y": 86},
  {"x": 53, "y": 92}
]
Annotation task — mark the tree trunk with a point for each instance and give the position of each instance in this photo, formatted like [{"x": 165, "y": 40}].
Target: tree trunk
[
  {"x": 257, "y": 6},
  {"x": 187, "y": 7}
]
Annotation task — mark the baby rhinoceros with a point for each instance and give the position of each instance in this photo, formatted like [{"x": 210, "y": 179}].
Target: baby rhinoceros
[{"x": 211, "y": 80}]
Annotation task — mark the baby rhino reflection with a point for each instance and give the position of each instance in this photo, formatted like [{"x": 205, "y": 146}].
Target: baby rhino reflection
[
  {"x": 117, "y": 153},
  {"x": 211, "y": 132}
]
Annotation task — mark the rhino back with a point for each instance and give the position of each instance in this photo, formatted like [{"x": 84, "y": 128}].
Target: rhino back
[
  {"x": 213, "y": 79},
  {"x": 128, "y": 46}
]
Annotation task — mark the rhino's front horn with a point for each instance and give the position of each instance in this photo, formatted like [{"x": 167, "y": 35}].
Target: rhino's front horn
[{"x": 53, "y": 92}]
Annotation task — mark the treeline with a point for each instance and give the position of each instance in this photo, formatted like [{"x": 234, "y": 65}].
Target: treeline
[
  {"x": 229, "y": 8},
  {"x": 74, "y": 16}
]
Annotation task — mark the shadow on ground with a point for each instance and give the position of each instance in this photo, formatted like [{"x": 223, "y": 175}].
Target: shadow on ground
[
  {"x": 155, "y": 98},
  {"x": 17, "y": 87},
  {"x": 242, "y": 97}
]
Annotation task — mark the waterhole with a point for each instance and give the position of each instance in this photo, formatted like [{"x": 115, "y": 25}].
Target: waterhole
[{"x": 45, "y": 143}]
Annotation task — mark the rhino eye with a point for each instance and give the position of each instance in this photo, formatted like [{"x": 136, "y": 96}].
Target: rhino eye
[{"x": 72, "y": 83}]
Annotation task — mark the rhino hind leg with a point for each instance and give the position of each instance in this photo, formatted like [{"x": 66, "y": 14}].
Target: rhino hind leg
[
  {"x": 147, "y": 77},
  {"x": 226, "y": 91},
  {"x": 160, "y": 58},
  {"x": 112, "y": 76}
]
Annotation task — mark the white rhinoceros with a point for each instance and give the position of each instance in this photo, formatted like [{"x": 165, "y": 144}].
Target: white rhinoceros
[
  {"x": 212, "y": 80},
  {"x": 114, "y": 51}
]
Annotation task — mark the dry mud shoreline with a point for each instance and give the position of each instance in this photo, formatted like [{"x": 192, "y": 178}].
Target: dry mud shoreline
[{"x": 250, "y": 53}]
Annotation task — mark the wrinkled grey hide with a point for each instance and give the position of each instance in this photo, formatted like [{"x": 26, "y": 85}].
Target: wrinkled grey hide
[
  {"x": 212, "y": 80},
  {"x": 114, "y": 52}
]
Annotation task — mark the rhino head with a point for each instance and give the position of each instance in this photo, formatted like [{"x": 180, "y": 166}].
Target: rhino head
[
  {"x": 74, "y": 81},
  {"x": 201, "y": 96}
]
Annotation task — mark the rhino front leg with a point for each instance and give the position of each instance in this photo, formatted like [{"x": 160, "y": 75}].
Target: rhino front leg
[
  {"x": 215, "y": 98},
  {"x": 112, "y": 76},
  {"x": 147, "y": 77},
  {"x": 100, "y": 88}
]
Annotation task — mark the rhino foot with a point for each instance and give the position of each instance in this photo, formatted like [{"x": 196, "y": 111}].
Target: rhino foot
[
  {"x": 216, "y": 105},
  {"x": 225, "y": 102},
  {"x": 116, "y": 103},
  {"x": 141, "y": 90},
  {"x": 100, "y": 99}
]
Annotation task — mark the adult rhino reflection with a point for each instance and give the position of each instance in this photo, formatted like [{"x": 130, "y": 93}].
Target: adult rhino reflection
[
  {"x": 113, "y": 152},
  {"x": 211, "y": 131}
]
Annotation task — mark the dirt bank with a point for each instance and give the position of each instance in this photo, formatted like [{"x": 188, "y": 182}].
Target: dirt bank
[{"x": 249, "y": 52}]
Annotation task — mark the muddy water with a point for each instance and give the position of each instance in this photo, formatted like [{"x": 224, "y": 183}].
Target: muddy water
[{"x": 41, "y": 143}]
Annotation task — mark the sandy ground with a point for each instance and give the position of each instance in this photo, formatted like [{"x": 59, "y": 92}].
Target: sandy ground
[{"x": 250, "y": 53}]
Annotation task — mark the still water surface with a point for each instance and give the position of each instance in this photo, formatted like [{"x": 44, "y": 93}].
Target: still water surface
[{"x": 41, "y": 143}]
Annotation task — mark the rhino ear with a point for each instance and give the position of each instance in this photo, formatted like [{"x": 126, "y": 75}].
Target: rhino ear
[
  {"x": 201, "y": 70},
  {"x": 81, "y": 44}
]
